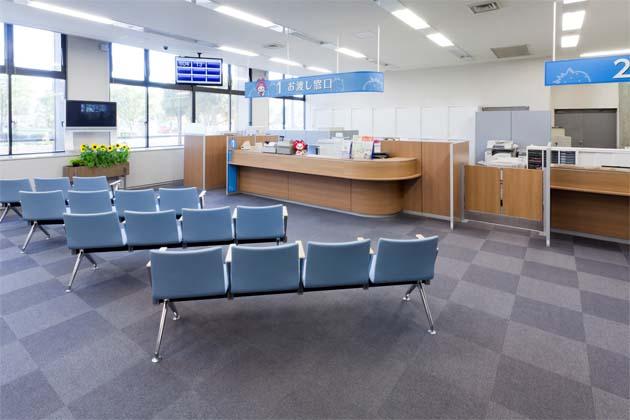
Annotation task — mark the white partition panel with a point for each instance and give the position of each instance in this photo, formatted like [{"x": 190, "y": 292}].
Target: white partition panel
[
  {"x": 408, "y": 123},
  {"x": 361, "y": 119},
  {"x": 384, "y": 122},
  {"x": 461, "y": 126},
  {"x": 435, "y": 123},
  {"x": 322, "y": 118},
  {"x": 341, "y": 118}
]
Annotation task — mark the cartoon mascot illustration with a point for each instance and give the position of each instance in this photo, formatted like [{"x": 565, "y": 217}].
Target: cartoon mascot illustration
[{"x": 261, "y": 87}]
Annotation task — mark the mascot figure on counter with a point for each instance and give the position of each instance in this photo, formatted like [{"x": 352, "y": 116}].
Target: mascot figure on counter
[{"x": 300, "y": 147}]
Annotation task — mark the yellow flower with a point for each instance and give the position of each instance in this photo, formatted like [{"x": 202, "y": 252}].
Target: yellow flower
[
  {"x": 94, "y": 146},
  {"x": 103, "y": 148},
  {"x": 110, "y": 148},
  {"x": 117, "y": 145},
  {"x": 83, "y": 147},
  {"x": 125, "y": 147}
]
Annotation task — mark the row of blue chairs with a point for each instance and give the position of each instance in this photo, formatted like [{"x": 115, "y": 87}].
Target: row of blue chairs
[
  {"x": 201, "y": 274},
  {"x": 103, "y": 232}
]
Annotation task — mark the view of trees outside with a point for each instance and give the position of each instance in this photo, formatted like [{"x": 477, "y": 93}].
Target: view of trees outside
[
  {"x": 131, "y": 110},
  {"x": 37, "y": 111},
  {"x": 212, "y": 111},
  {"x": 169, "y": 111}
]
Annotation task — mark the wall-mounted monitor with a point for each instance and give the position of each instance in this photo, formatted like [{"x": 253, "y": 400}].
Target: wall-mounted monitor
[
  {"x": 90, "y": 114},
  {"x": 199, "y": 71}
]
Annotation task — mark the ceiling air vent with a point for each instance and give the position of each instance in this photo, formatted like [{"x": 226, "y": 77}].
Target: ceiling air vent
[
  {"x": 273, "y": 46},
  {"x": 511, "y": 52},
  {"x": 484, "y": 7}
]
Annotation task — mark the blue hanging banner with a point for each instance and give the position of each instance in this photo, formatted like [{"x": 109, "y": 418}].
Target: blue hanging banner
[
  {"x": 358, "y": 81},
  {"x": 613, "y": 69}
]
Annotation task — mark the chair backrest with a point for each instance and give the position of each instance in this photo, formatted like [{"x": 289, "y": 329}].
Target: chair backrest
[
  {"x": 94, "y": 231},
  {"x": 268, "y": 269},
  {"x": 155, "y": 228},
  {"x": 10, "y": 189},
  {"x": 178, "y": 199},
  {"x": 88, "y": 202},
  {"x": 337, "y": 264},
  {"x": 90, "y": 183},
  {"x": 135, "y": 200},
  {"x": 402, "y": 260},
  {"x": 42, "y": 206},
  {"x": 53, "y": 184},
  {"x": 259, "y": 222},
  {"x": 188, "y": 274},
  {"x": 207, "y": 225}
]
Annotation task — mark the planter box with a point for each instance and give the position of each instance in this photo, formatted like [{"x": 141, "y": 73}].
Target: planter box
[{"x": 116, "y": 171}]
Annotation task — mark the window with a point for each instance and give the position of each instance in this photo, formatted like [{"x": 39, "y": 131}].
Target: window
[
  {"x": 131, "y": 112},
  {"x": 276, "y": 114},
  {"x": 212, "y": 111},
  {"x": 294, "y": 114},
  {"x": 161, "y": 67},
  {"x": 4, "y": 114},
  {"x": 240, "y": 76},
  {"x": 169, "y": 111},
  {"x": 127, "y": 62},
  {"x": 1, "y": 44},
  {"x": 36, "y": 49}
]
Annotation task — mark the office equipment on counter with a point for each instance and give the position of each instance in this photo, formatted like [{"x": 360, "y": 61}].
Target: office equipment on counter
[
  {"x": 285, "y": 148},
  {"x": 503, "y": 160},
  {"x": 494, "y": 147},
  {"x": 269, "y": 147},
  {"x": 578, "y": 156}
]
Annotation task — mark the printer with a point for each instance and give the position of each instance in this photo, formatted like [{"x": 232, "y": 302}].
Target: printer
[
  {"x": 269, "y": 147},
  {"x": 285, "y": 147},
  {"x": 502, "y": 153},
  {"x": 507, "y": 147}
]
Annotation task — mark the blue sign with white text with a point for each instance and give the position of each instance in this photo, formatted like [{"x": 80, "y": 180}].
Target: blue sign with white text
[
  {"x": 358, "y": 81},
  {"x": 613, "y": 69}
]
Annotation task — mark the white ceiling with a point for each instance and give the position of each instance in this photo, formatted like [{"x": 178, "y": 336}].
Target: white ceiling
[{"x": 530, "y": 22}]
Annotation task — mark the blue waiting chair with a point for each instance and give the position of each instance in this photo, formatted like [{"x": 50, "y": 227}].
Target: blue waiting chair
[
  {"x": 256, "y": 270},
  {"x": 10, "y": 194},
  {"x": 135, "y": 200},
  {"x": 180, "y": 198},
  {"x": 207, "y": 226},
  {"x": 89, "y": 202},
  {"x": 334, "y": 265},
  {"x": 42, "y": 208},
  {"x": 260, "y": 224},
  {"x": 150, "y": 230},
  {"x": 406, "y": 261},
  {"x": 94, "y": 183},
  {"x": 53, "y": 184},
  {"x": 185, "y": 275},
  {"x": 87, "y": 233}
]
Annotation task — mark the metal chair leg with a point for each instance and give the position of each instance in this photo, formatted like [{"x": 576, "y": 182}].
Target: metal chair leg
[
  {"x": 91, "y": 259},
  {"x": 29, "y": 236},
  {"x": 426, "y": 309},
  {"x": 156, "y": 354},
  {"x": 4, "y": 213},
  {"x": 407, "y": 298},
  {"x": 74, "y": 271},
  {"x": 44, "y": 230},
  {"x": 176, "y": 315}
]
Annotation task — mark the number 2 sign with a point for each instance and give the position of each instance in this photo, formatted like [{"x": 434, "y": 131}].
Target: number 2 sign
[{"x": 613, "y": 69}]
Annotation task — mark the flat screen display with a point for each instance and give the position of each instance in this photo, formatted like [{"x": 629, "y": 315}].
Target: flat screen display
[
  {"x": 199, "y": 71},
  {"x": 90, "y": 114}
]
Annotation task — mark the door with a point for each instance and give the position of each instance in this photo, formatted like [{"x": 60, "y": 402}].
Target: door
[{"x": 589, "y": 127}]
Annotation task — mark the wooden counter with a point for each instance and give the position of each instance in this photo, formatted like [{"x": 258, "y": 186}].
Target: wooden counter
[{"x": 594, "y": 201}]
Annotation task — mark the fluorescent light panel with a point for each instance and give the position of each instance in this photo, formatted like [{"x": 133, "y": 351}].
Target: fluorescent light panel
[
  {"x": 572, "y": 1},
  {"x": 318, "y": 69},
  {"x": 71, "y": 12},
  {"x": 569, "y": 41},
  {"x": 349, "y": 52},
  {"x": 239, "y": 51},
  {"x": 244, "y": 16},
  {"x": 440, "y": 39},
  {"x": 605, "y": 53},
  {"x": 572, "y": 21},
  {"x": 285, "y": 61},
  {"x": 410, "y": 18}
]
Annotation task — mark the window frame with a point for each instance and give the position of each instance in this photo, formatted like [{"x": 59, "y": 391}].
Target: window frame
[
  {"x": 147, "y": 83},
  {"x": 11, "y": 70}
]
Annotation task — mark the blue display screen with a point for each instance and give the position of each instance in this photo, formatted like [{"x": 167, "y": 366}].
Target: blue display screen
[{"x": 199, "y": 71}]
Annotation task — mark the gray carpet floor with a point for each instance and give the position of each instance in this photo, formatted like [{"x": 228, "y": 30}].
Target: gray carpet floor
[{"x": 524, "y": 331}]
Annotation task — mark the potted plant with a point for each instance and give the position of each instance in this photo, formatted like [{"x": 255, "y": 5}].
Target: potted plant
[{"x": 100, "y": 160}]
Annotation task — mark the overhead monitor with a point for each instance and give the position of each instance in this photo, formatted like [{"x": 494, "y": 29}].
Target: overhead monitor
[{"x": 199, "y": 71}]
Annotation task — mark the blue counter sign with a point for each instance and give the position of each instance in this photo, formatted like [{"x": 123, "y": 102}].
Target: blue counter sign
[{"x": 612, "y": 69}]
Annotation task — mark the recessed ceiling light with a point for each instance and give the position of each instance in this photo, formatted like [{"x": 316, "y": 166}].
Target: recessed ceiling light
[
  {"x": 71, "y": 12},
  {"x": 285, "y": 61},
  {"x": 606, "y": 53},
  {"x": 572, "y": 21},
  {"x": 237, "y": 51},
  {"x": 569, "y": 41},
  {"x": 349, "y": 52},
  {"x": 572, "y": 1},
  {"x": 318, "y": 69},
  {"x": 440, "y": 39},
  {"x": 247, "y": 17},
  {"x": 410, "y": 18}
]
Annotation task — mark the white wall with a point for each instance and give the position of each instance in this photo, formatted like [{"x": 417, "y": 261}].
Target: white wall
[{"x": 604, "y": 95}]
